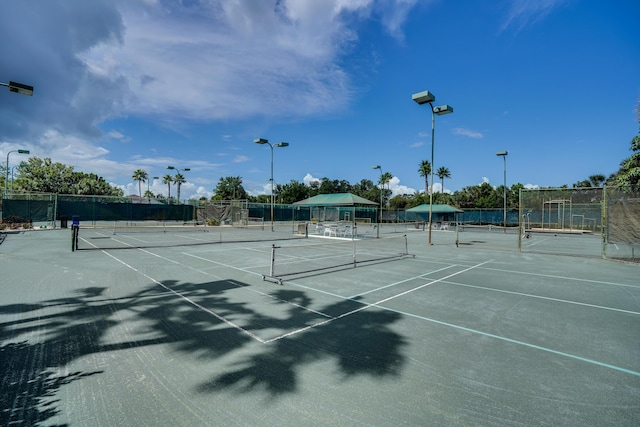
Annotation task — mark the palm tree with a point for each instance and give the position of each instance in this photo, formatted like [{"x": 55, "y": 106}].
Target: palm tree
[
  {"x": 168, "y": 179},
  {"x": 597, "y": 180},
  {"x": 443, "y": 172},
  {"x": 385, "y": 178},
  {"x": 140, "y": 176},
  {"x": 424, "y": 170},
  {"x": 179, "y": 180}
]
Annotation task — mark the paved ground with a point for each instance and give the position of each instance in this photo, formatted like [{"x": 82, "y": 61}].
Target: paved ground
[{"x": 466, "y": 335}]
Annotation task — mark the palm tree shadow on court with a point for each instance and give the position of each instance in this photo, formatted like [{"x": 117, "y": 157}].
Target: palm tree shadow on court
[
  {"x": 190, "y": 318},
  {"x": 359, "y": 340}
]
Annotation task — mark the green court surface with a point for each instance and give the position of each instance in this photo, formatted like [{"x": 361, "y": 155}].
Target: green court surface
[{"x": 473, "y": 334}]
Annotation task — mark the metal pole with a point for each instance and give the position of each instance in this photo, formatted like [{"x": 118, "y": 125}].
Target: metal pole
[
  {"x": 271, "y": 186},
  {"x": 6, "y": 179},
  {"x": 505, "y": 194},
  {"x": 433, "y": 132}
]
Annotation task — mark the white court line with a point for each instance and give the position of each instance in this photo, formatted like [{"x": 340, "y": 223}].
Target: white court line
[
  {"x": 451, "y": 325},
  {"x": 421, "y": 276},
  {"x": 509, "y": 340},
  {"x": 553, "y": 276},
  {"x": 544, "y": 298},
  {"x": 190, "y": 301},
  {"x": 375, "y": 304}
]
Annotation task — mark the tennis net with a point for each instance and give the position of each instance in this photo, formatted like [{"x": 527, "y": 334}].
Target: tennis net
[
  {"x": 166, "y": 234},
  {"x": 299, "y": 261}
]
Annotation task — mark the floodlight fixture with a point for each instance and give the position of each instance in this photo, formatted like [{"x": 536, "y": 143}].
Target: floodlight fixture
[
  {"x": 425, "y": 97},
  {"x": 19, "y": 88},
  {"x": 443, "y": 109}
]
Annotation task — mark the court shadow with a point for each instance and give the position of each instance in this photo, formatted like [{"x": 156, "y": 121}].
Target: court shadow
[
  {"x": 195, "y": 319},
  {"x": 41, "y": 340},
  {"x": 358, "y": 338}
]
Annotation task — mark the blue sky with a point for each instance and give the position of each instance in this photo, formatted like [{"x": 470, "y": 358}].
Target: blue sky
[{"x": 123, "y": 85}]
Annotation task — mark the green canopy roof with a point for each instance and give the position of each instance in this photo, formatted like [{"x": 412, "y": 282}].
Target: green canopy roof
[
  {"x": 337, "y": 199},
  {"x": 436, "y": 209}
]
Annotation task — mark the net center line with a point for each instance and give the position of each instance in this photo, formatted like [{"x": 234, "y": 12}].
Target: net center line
[
  {"x": 368, "y": 305},
  {"x": 401, "y": 281}
]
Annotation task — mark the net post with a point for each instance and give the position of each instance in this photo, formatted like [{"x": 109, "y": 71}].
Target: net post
[
  {"x": 603, "y": 222},
  {"x": 74, "y": 237},
  {"x": 521, "y": 225},
  {"x": 273, "y": 259}
]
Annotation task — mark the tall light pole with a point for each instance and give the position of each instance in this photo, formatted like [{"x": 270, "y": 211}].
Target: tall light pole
[
  {"x": 504, "y": 197},
  {"x": 427, "y": 97},
  {"x": 21, "y": 89},
  {"x": 379, "y": 167},
  {"x": 6, "y": 179},
  {"x": 179, "y": 171},
  {"x": 263, "y": 141}
]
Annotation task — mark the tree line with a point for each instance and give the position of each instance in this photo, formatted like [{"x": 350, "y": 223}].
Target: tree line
[{"x": 38, "y": 175}]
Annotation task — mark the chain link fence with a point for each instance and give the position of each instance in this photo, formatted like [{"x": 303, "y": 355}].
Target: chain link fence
[{"x": 602, "y": 222}]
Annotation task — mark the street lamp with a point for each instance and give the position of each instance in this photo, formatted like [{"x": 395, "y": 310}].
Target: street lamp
[
  {"x": 427, "y": 97},
  {"x": 19, "y": 88},
  {"x": 179, "y": 170},
  {"x": 379, "y": 167},
  {"x": 504, "y": 197},
  {"x": 6, "y": 179},
  {"x": 263, "y": 141},
  {"x": 22, "y": 89}
]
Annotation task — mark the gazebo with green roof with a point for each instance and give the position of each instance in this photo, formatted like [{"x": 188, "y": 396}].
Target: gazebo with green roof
[
  {"x": 440, "y": 212},
  {"x": 338, "y": 207}
]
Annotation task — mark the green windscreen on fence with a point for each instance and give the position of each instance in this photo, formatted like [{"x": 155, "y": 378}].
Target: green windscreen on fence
[{"x": 45, "y": 208}]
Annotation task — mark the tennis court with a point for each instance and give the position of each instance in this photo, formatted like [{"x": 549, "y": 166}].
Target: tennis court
[{"x": 472, "y": 333}]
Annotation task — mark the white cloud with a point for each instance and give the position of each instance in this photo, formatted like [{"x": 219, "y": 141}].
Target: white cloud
[
  {"x": 240, "y": 159},
  {"x": 522, "y": 13},
  {"x": 200, "y": 60},
  {"x": 468, "y": 133},
  {"x": 397, "y": 189},
  {"x": 308, "y": 179}
]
